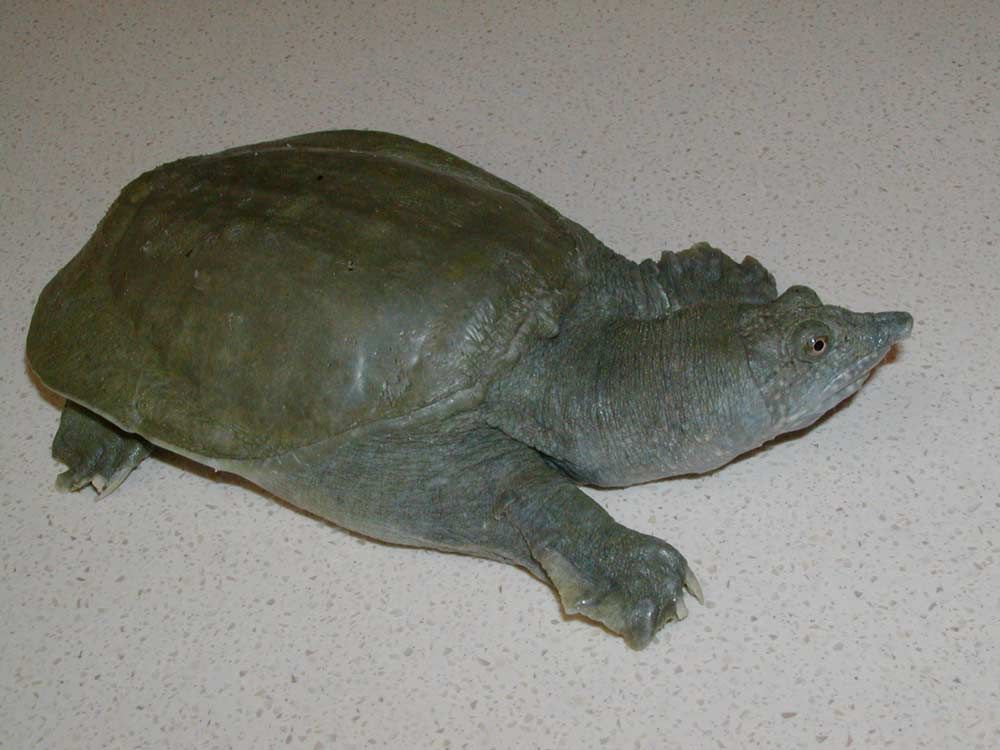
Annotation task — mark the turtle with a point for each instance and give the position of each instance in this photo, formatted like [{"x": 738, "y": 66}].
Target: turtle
[{"x": 403, "y": 344}]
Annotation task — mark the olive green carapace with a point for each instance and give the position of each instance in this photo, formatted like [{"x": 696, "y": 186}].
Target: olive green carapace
[
  {"x": 269, "y": 297},
  {"x": 399, "y": 342}
]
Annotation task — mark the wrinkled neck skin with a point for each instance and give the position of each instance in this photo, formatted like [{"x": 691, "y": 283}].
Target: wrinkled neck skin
[{"x": 616, "y": 401}]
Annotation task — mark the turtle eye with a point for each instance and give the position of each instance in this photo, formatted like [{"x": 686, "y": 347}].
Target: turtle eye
[
  {"x": 810, "y": 340},
  {"x": 816, "y": 346}
]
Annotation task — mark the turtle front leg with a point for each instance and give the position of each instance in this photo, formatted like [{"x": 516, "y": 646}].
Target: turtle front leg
[
  {"x": 478, "y": 492},
  {"x": 631, "y": 582},
  {"x": 703, "y": 273},
  {"x": 95, "y": 451}
]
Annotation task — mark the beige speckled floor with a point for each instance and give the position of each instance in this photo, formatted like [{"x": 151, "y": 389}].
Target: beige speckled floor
[{"x": 852, "y": 574}]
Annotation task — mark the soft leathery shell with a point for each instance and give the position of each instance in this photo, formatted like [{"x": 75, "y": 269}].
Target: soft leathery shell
[{"x": 245, "y": 303}]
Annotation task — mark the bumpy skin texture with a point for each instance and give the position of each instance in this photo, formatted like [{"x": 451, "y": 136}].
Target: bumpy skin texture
[{"x": 408, "y": 346}]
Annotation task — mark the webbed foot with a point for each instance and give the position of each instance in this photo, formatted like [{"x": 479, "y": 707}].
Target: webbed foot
[
  {"x": 630, "y": 582},
  {"x": 703, "y": 273},
  {"x": 95, "y": 451}
]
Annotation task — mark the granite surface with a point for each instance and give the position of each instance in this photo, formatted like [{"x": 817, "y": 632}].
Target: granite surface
[{"x": 852, "y": 573}]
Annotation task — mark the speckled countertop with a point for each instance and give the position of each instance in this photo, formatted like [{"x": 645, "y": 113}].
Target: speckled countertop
[{"x": 852, "y": 573}]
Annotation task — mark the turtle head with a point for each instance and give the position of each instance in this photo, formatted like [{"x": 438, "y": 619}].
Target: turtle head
[
  {"x": 642, "y": 399},
  {"x": 806, "y": 357}
]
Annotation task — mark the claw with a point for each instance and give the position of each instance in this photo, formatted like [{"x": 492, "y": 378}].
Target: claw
[
  {"x": 65, "y": 482},
  {"x": 693, "y": 587},
  {"x": 680, "y": 609}
]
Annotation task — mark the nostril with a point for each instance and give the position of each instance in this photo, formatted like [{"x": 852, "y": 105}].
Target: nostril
[
  {"x": 894, "y": 326},
  {"x": 906, "y": 324}
]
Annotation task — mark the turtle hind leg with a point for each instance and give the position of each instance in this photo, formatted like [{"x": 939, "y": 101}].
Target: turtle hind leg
[{"x": 95, "y": 451}]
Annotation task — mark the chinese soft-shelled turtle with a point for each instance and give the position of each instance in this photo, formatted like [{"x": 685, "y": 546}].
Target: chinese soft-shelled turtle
[{"x": 400, "y": 342}]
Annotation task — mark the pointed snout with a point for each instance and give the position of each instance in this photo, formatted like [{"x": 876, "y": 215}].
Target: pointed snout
[{"x": 891, "y": 327}]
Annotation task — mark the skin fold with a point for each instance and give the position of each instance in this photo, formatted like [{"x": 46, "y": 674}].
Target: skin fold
[{"x": 409, "y": 347}]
